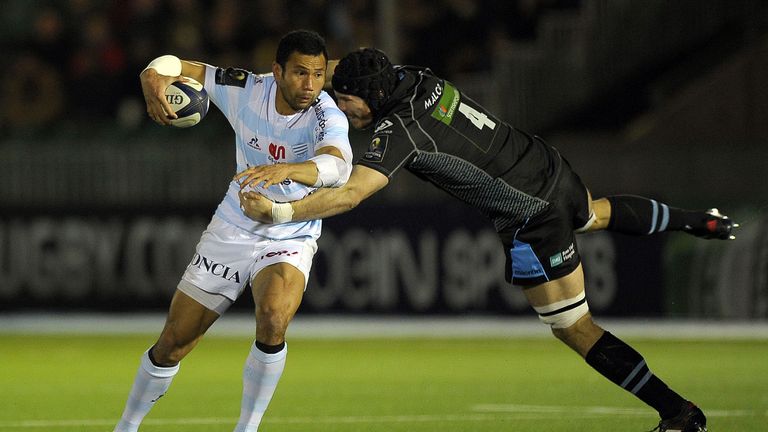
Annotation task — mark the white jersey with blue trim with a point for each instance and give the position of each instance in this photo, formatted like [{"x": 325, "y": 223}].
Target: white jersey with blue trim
[{"x": 263, "y": 136}]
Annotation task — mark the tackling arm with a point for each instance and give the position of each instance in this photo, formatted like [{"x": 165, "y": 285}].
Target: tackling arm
[
  {"x": 307, "y": 172},
  {"x": 363, "y": 182}
]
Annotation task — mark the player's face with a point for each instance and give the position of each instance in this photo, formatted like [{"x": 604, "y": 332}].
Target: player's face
[
  {"x": 300, "y": 82},
  {"x": 358, "y": 112}
]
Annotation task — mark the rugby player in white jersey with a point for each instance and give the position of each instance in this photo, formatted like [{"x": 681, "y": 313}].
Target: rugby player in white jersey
[{"x": 281, "y": 118}]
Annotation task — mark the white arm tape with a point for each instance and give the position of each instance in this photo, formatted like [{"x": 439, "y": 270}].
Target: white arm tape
[
  {"x": 168, "y": 65},
  {"x": 282, "y": 212},
  {"x": 331, "y": 171}
]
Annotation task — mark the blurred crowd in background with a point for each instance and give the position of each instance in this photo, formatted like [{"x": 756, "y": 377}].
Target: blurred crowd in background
[{"x": 76, "y": 62}]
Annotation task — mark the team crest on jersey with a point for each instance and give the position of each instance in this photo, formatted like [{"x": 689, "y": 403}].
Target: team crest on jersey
[
  {"x": 232, "y": 77},
  {"x": 383, "y": 125},
  {"x": 377, "y": 149}
]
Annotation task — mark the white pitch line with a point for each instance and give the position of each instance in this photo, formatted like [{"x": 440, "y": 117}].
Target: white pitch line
[
  {"x": 483, "y": 413},
  {"x": 600, "y": 410},
  {"x": 424, "y": 418}
]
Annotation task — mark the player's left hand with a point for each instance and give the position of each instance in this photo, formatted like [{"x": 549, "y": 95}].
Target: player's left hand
[
  {"x": 256, "y": 206},
  {"x": 267, "y": 174}
]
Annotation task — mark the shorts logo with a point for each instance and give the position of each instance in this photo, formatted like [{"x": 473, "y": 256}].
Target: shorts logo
[
  {"x": 561, "y": 257},
  {"x": 377, "y": 149},
  {"x": 277, "y": 253},
  {"x": 214, "y": 268},
  {"x": 525, "y": 264}
]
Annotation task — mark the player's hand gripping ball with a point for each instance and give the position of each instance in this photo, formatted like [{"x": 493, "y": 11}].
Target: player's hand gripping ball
[{"x": 189, "y": 101}]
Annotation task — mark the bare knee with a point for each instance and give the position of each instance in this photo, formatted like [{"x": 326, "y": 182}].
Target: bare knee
[
  {"x": 277, "y": 295},
  {"x": 601, "y": 209},
  {"x": 170, "y": 348},
  {"x": 271, "y": 324},
  {"x": 581, "y": 335}
]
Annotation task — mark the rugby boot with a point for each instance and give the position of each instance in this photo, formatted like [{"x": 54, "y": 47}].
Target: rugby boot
[
  {"x": 714, "y": 225},
  {"x": 690, "y": 419}
]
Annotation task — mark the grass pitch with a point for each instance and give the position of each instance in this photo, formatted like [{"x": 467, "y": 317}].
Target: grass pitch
[{"x": 79, "y": 383}]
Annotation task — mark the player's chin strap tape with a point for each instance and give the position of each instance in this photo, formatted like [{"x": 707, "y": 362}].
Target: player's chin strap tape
[
  {"x": 168, "y": 65},
  {"x": 331, "y": 171},
  {"x": 564, "y": 313}
]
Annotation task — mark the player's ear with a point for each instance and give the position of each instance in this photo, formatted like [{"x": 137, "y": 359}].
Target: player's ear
[{"x": 277, "y": 70}]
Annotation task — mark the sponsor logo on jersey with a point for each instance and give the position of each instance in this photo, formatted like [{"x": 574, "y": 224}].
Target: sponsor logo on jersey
[
  {"x": 383, "y": 125},
  {"x": 232, "y": 77},
  {"x": 428, "y": 102},
  {"x": 563, "y": 256},
  {"x": 276, "y": 151},
  {"x": 377, "y": 149},
  {"x": 320, "y": 127},
  {"x": 254, "y": 143},
  {"x": 214, "y": 268},
  {"x": 447, "y": 104}
]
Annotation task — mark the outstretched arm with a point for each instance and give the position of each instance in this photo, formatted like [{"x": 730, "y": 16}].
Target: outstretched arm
[{"x": 362, "y": 183}]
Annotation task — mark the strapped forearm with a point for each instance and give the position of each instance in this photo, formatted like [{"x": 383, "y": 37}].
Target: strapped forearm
[
  {"x": 331, "y": 171},
  {"x": 321, "y": 204}
]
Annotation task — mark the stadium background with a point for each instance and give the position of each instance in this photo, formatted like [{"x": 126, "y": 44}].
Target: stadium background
[{"x": 100, "y": 209}]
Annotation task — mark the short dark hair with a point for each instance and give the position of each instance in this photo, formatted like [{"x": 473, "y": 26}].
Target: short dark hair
[{"x": 305, "y": 42}]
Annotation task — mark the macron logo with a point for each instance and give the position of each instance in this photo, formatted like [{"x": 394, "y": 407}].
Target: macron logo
[{"x": 383, "y": 125}]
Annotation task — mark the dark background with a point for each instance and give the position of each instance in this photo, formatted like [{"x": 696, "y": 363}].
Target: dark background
[{"x": 100, "y": 208}]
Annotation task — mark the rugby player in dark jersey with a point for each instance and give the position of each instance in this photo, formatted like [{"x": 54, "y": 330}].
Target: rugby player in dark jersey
[{"x": 536, "y": 202}]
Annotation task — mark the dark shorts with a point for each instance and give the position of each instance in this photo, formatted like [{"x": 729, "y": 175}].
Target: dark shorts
[{"x": 544, "y": 247}]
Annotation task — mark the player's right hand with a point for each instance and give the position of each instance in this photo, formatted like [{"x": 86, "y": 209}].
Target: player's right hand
[{"x": 153, "y": 87}]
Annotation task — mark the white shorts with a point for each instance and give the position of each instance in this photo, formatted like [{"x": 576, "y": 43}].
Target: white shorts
[{"x": 227, "y": 258}]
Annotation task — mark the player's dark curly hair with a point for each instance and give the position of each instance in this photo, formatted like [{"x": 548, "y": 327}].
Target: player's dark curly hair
[
  {"x": 368, "y": 74},
  {"x": 301, "y": 41}
]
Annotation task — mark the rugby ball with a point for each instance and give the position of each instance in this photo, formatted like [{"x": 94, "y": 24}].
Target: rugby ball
[{"x": 189, "y": 101}]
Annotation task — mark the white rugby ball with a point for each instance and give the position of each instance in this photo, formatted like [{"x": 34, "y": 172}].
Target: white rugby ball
[{"x": 189, "y": 101}]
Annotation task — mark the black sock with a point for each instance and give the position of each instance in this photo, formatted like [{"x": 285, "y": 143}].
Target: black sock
[
  {"x": 643, "y": 216},
  {"x": 270, "y": 349},
  {"x": 626, "y": 368},
  {"x": 154, "y": 362}
]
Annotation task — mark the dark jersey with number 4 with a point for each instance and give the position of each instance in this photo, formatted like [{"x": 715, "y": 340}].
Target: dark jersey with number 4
[{"x": 433, "y": 130}]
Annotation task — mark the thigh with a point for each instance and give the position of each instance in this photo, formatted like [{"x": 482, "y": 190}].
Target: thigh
[
  {"x": 277, "y": 293},
  {"x": 296, "y": 253},
  {"x": 563, "y": 288},
  {"x": 278, "y": 289},
  {"x": 542, "y": 250}
]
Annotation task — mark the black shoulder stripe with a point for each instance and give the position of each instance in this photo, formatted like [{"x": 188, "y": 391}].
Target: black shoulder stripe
[{"x": 232, "y": 77}]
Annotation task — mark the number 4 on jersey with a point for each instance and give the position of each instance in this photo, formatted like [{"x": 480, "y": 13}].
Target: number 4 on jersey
[{"x": 476, "y": 117}]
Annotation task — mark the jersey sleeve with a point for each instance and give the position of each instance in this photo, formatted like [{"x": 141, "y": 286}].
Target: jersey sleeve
[
  {"x": 389, "y": 149},
  {"x": 332, "y": 128},
  {"x": 229, "y": 88}
]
